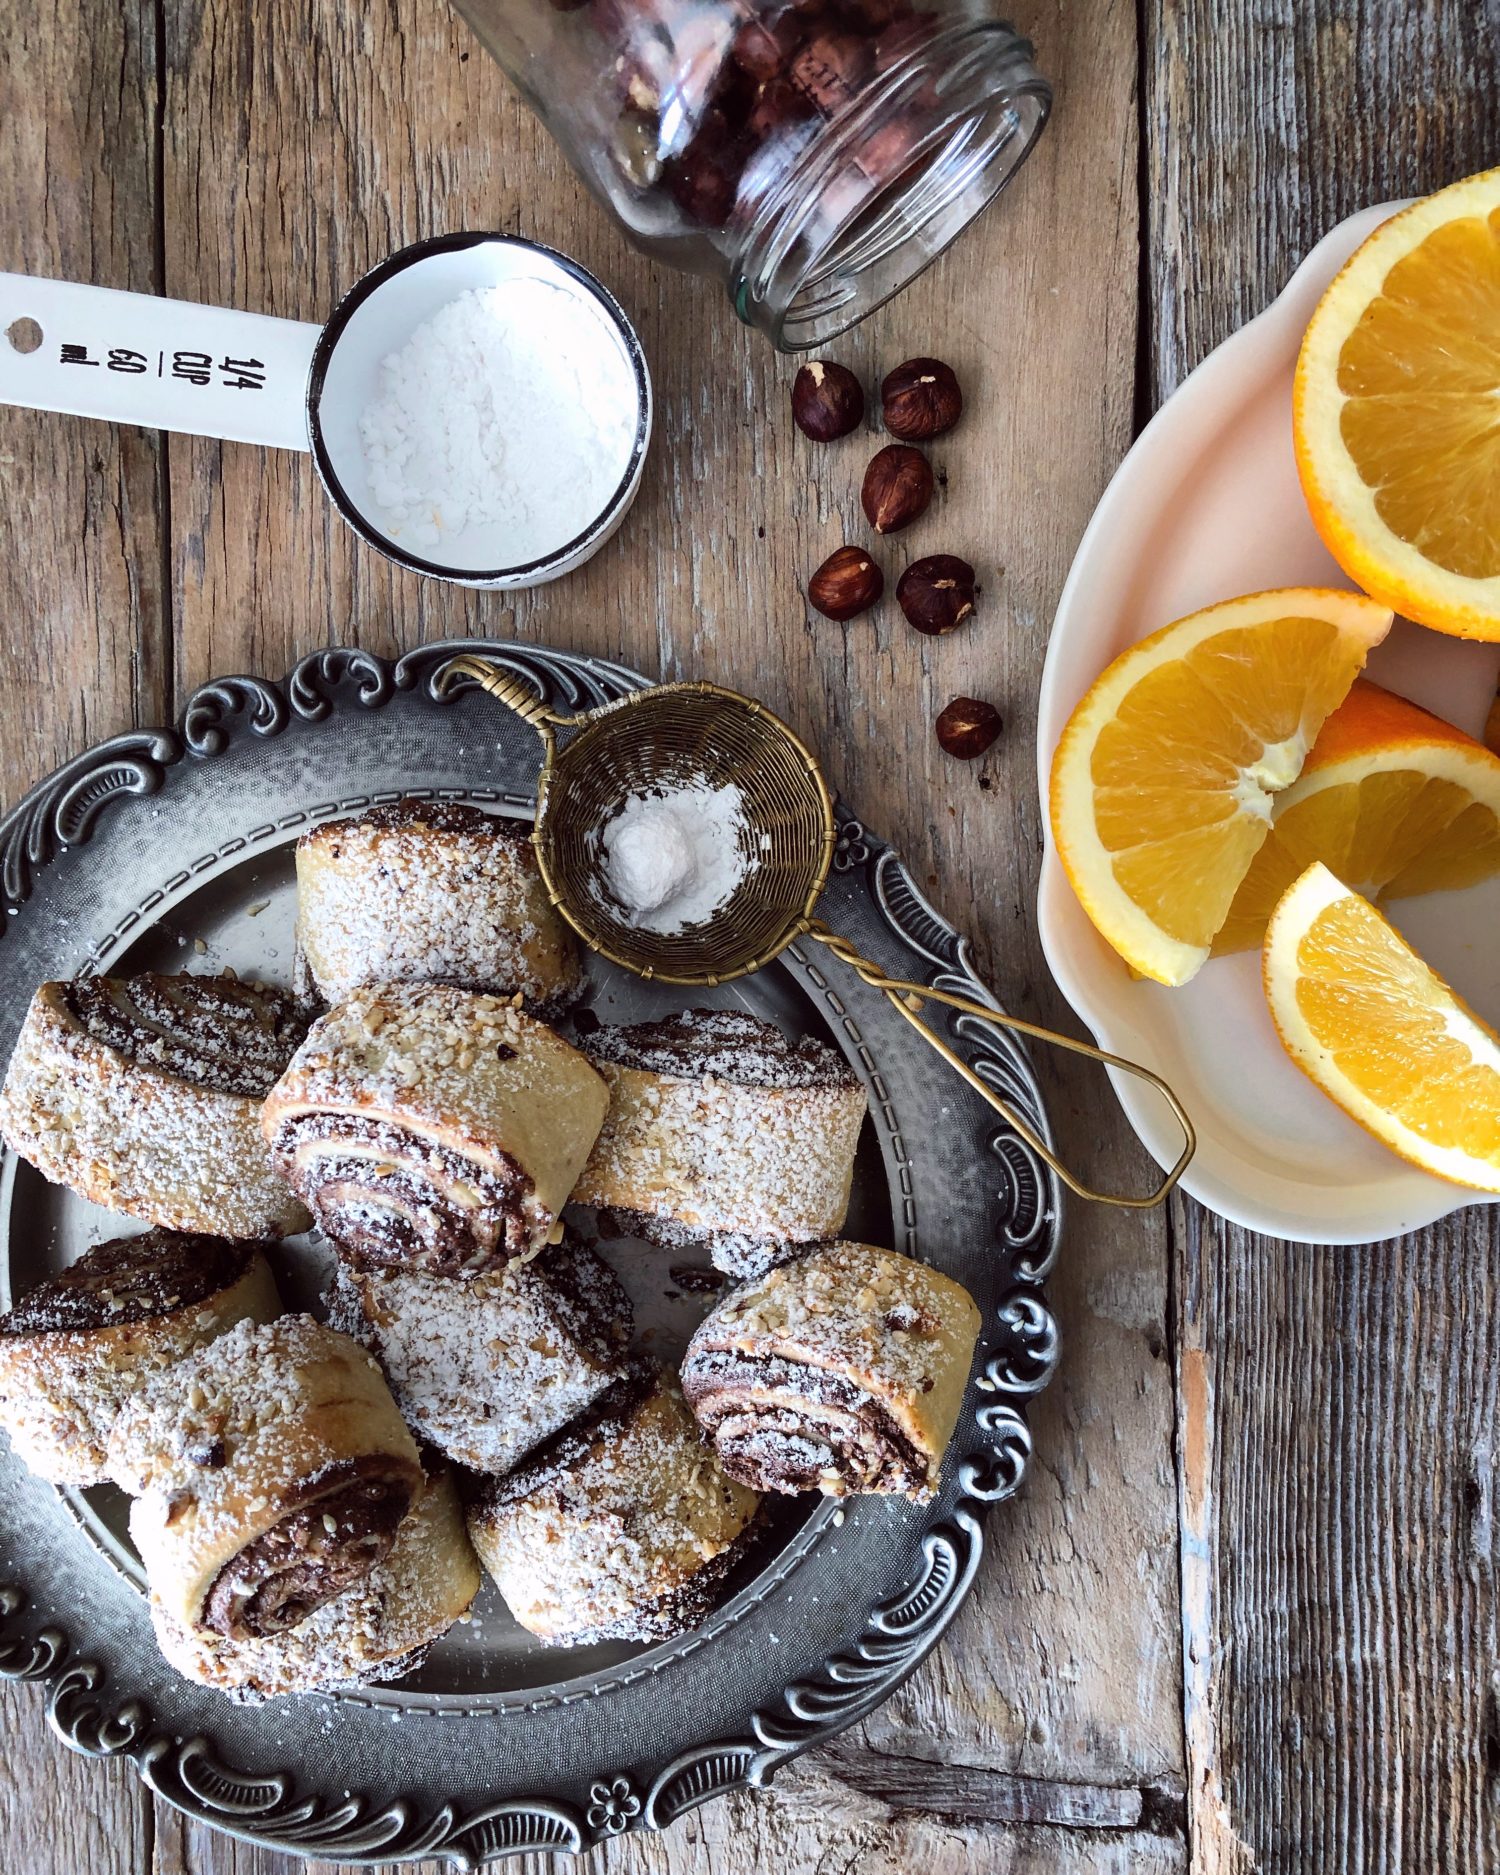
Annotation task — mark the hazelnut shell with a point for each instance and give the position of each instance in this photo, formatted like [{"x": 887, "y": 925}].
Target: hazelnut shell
[
  {"x": 921, "y": 398},
  {"x": 847, "y": 583},
  {"x": 828, "y": 401},
  {"x": 967, "y": 727},
  {"x": 937, "y": 593},
  {"x": 897, "y": 488}
]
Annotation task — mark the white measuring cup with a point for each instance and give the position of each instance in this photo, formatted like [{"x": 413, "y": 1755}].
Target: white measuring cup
[{"x": 92, "y": 351}]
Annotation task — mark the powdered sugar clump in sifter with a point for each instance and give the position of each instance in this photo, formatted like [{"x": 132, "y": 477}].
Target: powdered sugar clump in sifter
[
  {"x": 674, "y": 855},
  {"x": 508, "y": 417}
]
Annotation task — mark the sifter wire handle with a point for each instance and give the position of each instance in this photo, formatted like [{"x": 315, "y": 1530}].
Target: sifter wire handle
[
  {"x": 908, "y": 998},
  {"x": 514, "y": 692}
]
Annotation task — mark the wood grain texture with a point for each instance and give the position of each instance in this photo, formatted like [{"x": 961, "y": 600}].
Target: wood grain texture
[
  {"x": 1337, "y": 1408},
  {"x": 82, "y": 639}
]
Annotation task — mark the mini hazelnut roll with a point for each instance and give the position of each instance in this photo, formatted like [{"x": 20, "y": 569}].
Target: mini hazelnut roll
[
  {"x": 842, "y": 1371},
  {"x": 379, "y": 1629},
  {"x": 143, "y": 1094},
  {"x": 487, "y": 1370},
  {"x": 623, "y": 1528},
  {"x": 431, "y": 892},
  {"x": 721, "y": 1132},
  {"x": 75, "y": 1348},
  {"x": 434, "y": 1130},
  {"x": 270, "y": 1471}
]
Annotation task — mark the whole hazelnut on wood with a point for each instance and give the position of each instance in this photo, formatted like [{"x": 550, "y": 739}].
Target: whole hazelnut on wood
[
  {"x": 897, "y": 487},
  {"x": 920, "y": 399},
  {"x": 846, "y": 583},
  {"x": 967, "y": 727},
  {"x": 827, "y": 401},
  {"x": 937, "y": 594}
]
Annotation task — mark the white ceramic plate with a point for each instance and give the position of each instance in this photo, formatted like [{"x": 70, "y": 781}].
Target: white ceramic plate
[{"x": 1207, "y": 506}]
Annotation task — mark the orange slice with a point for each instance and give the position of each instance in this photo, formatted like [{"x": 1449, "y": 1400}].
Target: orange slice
[
  {"x": 1162, "y": 781},
  {"x": 1382, "y": 1034},
  {"x": 1396, "y": 412},
  {"x": 1392, "y": 799}
]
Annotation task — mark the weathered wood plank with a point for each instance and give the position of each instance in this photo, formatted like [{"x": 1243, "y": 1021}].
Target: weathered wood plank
[
  {"x": 81, "y": 648},
  {"x": 1337, "y": 1407},
  {"x": 80, "y": 560}
]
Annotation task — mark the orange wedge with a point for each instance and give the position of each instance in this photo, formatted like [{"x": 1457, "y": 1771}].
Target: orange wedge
[
  {"x": 1396, "y": 412},
  {"x": 1382, "y": 1034},
  {"x": 1162, "y": 781},
  {"x": 1392, "y": 799}
]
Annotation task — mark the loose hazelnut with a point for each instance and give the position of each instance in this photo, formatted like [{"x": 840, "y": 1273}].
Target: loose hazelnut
[
  {"x": 937, "y": 594},
  {"x": 846, "y": 583},
  {"x": 920, "y": 399},
  {"x": 967, "y": 727},
  {"x": 897, "y": 487},
  {"x": 827, "y": 401}
]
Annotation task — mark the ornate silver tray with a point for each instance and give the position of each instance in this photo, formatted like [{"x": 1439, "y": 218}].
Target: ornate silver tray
[{"x": 172, "y": 849}]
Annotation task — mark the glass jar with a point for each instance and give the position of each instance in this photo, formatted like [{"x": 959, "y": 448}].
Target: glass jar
[{"x": 814, "y": 156}]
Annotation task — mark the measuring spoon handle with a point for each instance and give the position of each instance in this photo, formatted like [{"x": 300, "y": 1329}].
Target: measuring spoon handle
[{"x": 168, "y": 364}]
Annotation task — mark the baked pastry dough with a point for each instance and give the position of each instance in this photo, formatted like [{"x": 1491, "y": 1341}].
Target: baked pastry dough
[
  {"x": 487, "y": 1370},
  {"x": 434, "y": 1129},
  {"x": 431, "y": 892},
  {"x": 842, "y": 1371},
  {"x": 380, "y": 1629},
  {"x": 624, "y": 1528},
  {"x": 722, "y": 1132},
  {"x": 270, "y": 1472},
  {"x": 143, "y": 1094},
  {"x": 75, "y": 1348}
]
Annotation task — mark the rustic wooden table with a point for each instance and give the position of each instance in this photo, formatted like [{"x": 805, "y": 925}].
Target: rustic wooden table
[{"x": 1245, "y": 1613}]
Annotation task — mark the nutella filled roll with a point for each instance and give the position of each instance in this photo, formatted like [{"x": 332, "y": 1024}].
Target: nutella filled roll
[
  {"x": 623, "y": 1528},
  {"x": 842, "y": 1371},
  {"x": 143, "y": 1094},
  {"x": 74, "y": 1349},
  {"x": 380, "y": 1629},
  {"x": 270, "y": 1472},
  {"x": 431, "y": 892},
  {"x": 721, "y": 1132},
  {"x": 434, "y": 1130},
  {"x": 487, "y": 1370}
]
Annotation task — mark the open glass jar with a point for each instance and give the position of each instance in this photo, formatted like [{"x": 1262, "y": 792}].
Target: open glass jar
[{"x": 815, "y": 156}]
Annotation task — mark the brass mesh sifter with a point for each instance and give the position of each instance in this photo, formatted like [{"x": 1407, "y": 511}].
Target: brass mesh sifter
[{"x": 699, "y": 731}]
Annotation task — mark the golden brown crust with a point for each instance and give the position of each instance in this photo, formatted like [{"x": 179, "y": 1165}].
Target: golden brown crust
[
  {"x": 75, "y": 1349},
  {"x": 841, "y": 1371},
  {"x": 376, "y": 1630},
  {"x": 119, "y": 1099},
  {"x": 623, "y": 1529},
  {"x": 430, "y": 892},
  {"x": 235, "y": 1444},
  {"x": 487, "y": 1115}
]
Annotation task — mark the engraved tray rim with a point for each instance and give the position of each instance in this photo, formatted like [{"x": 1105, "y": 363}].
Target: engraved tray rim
[{"x": 938, "y": 1552}]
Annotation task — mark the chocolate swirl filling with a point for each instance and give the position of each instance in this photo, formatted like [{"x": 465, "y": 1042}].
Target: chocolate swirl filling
[
  {"x": 209, "y": 1031},
  {"x": 724, "y": 1044},
  {"x": 388, "y": 1197},
  {"x": 780, "y": 1426},
  {"x": 130, "y": 1279},
  {"x": 337, "y": 1526}
]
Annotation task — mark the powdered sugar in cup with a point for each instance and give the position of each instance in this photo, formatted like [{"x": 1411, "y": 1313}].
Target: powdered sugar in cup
[{"x": 480, "y": 409}]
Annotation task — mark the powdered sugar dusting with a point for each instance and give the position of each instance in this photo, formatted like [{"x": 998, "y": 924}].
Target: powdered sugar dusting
[
  {"x": 487, "y": 1370},
  {"x": 749, "y": 1137},
  {"x": 625, "y": 1532}
]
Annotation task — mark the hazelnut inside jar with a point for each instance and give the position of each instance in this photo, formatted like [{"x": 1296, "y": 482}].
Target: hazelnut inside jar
[{"x": 815, "y": 157}]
